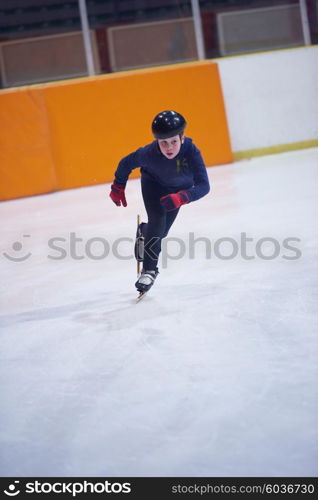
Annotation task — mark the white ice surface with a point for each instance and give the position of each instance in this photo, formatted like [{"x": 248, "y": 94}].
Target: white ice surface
[{"x": 214, "y": 373}]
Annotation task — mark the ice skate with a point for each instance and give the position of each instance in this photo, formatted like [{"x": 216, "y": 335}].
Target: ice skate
[{"x": 146, "y": 280}]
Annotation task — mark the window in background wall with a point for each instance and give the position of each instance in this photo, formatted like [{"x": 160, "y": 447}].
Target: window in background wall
[
  {"x": 149, "y": 44},
  {"x": 40, "y": 41},
  {"x": 46, "y": 58},
  {"x": 266, "y": 28},
  {"x": 243, "y": 26},
  {"x": 143, "y": 33}
]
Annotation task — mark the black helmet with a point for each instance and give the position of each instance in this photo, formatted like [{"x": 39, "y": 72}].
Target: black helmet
[{"x": 167, "y": 124}]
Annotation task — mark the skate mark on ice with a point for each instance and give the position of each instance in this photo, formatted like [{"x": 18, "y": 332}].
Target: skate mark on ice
[
  {"x": 123, "y": 318},
  {"x": 46, "y": 313}
]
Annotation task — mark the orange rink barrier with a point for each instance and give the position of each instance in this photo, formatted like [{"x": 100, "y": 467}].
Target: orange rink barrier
[
  {"x": 26, "y": 165},
  {"x": 73, "y": 133}
]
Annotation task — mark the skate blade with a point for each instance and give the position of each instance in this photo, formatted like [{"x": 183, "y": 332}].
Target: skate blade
[{"x": 140, "y": 296}]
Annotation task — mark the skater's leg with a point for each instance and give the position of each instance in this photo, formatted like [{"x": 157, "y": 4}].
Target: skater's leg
[
  {"x": 170, "y": 218},
  {"x": 159, "y": 223}
]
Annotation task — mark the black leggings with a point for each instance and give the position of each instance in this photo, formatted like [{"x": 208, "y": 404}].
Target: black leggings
[{"x": 159, "y": 221}]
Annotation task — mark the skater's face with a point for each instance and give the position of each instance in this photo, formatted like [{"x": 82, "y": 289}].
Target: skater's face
[{"x": 170, "y": 147}]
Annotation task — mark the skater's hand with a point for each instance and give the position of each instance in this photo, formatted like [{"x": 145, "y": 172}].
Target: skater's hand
[
  {"x": 174, "y": 200},
  {"x": 117, "y": 194}
]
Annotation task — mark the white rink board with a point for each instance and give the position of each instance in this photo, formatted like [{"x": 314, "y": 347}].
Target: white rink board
[{"x": 271, "y": 98}]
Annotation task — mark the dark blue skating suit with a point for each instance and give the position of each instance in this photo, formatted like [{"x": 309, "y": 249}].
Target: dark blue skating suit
[{"x": 161, "y": 176}]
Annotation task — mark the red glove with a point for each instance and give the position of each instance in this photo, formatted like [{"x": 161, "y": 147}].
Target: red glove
[
  {"x": 174, "y": 200},
  {"x": 117, "y": 194}
]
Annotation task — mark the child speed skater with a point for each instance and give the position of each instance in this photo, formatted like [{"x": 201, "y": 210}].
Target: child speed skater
[{"x": 173, "y": 174}]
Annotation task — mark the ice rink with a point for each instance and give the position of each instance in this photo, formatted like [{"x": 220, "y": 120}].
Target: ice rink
[{"x": 213, "y": 373}]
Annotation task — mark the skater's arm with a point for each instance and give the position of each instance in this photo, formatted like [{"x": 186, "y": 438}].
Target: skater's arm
[
  {"x": 126, "y": 165},
  {"x": 201, "y": 184}
]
